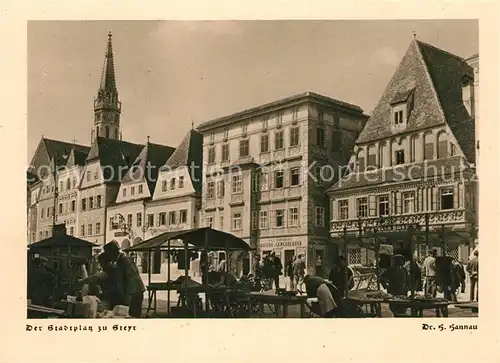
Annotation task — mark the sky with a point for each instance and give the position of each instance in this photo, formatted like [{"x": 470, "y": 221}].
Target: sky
[{"x": 170, "y": 73}]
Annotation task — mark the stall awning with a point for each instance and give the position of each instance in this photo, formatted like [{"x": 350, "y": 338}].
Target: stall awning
[
  {"x": 62, "y": 240},
  {"x": 205, "y": 238}
]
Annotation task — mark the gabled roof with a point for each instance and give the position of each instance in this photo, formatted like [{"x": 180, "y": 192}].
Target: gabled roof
[
  {"x": 58, "y": 149},
  {"x": 76, "y": 157},
  {"x": 435, "y": 75},
  {"x": 62, "y": 241},
  {"x": 189, "y": 153},
  {"x": 115, "y": 156},
  {"x": 147, "y": 164}
]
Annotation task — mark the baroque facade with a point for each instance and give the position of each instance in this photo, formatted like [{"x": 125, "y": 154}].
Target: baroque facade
[
  {"x": 414, "y": 162},
  {"x": 261, "y": 164}
]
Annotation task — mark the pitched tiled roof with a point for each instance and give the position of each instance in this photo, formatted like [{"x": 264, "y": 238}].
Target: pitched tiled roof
[
  {"x": 58, "y": 149},
  {"x": 276, "y": 105},
  {"x": 114, "y": 155},
  {"x": 147, "y": 164},
  {"x": 189, "y": 152},
  {"x": 435, "y": 76},
  {"x": 399, "y": 173}
]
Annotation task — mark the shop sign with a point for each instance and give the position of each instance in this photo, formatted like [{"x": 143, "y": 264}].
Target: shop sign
[
  {"x": 281, "y": 242},
  {"x": 391, "y": 227}
]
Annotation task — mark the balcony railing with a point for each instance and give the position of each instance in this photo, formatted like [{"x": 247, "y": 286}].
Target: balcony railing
[{"x": 435, "y": 218}]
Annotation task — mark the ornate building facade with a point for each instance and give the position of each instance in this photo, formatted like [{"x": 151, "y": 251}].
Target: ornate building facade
[
  {"x": 414, "y": 162},
  {"x": 257, "y": 180}
]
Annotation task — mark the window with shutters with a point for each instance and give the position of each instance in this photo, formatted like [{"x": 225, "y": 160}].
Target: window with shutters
[
  {"x": 244, "y": 148},
  {"x": 280, "y": 218},
  {"x": 319, "y": 213},
  {"x": 236, "y": 222},
  {"x": 453, "y": 150},
  {"x": 343, "y": 209},
  {"x": 278, "y": 140},
  {"x": 278, "y": 179},
  {"x": 172, "y": 218},
  {"x": 264, "y": 181},
  {"x": 237, "y": 184},
  {"x": 254, "y": 220},
  {"x": 264, "y": 219},
  {"x": 138, "y": 218},
  {"x": 264, "y": 143},
  {"x": 209, "y": 221},
  {"x": 294, "y": 136},
  {"x": 98, "y": 228},
  {"x": 362, "y": 207},
  {"x": 442, "y": 149},
  {"x": 151, "y": 220},
  {"x": 211, "y": 155},
  {"x": 294, "y": 176},
  {"x": 129, "y": 220},
  {"x": 89, "y": 230},
  {"x": 225, "y": 152},
  {"x": 221, "y": 189},
  {"x": 293, "y": 217},
  {"x": 162, "y": 219},
  {"x": 447, "y": 198},
  {"x": 400, "y": 157},
  {"x": 408, "y": 202},
  {"x": 210, "y": 190},
  {"x": 183, "y": 215},
  {"x": 336, "y": 140},
  {"x": 383, "y": 205},
  {"x": 320, "y": 136},
  {"x": 429, "y": 151}
]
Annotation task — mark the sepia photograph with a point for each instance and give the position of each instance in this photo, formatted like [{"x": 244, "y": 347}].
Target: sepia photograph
[{"x": 253, "y": 169}]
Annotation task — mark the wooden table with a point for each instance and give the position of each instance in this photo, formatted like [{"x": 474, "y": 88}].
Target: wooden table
[
  {"x": 417, "y": 307},
  {"x": 39, "y": 311},
  {"x": 373, "y": 303},
  {"x": 152, "y": 288},
  {"x": 280, "y": 302},
  {"x": 473, "y": 306}
]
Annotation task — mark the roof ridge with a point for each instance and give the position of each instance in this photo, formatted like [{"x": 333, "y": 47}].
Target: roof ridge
[
  {"x": 440, "y": 50},
  {"x": 64, "y": 142}
]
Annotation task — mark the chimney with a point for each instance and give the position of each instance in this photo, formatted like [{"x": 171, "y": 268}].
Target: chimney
[
  {"x": 468, "y": 94},
  {"x": 59, "y": 230}
]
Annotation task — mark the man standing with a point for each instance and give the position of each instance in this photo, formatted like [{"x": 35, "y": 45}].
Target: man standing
[
  {"x": 473, "y": 270},
  {"x": 299, "y": 270},
  {"x": 134, "y": 287},
  {"x": 429, "y": 268},
  {"x": 341, "y": 275},
  {"x": 278, "y": 269}
]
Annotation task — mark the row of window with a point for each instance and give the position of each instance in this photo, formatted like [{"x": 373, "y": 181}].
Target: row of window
[
  {"x": 172, "y": 183},
  {"x": 92, "y": 203},
  {"x": 382, "y": 209},
  {"x": 163, "y": 219},
  {"x": 265, "y": 219},
  {"x": 89, "y": 230},
  {"x": 280, "y": 179},
  {"x": 132, "y": 190},
  {"x": 48, "y": 233},
  {"x": 400, "y": 157},
  {"x": 279, "y": 143}
]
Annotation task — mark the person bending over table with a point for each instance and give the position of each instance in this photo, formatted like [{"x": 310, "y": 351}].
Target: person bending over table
[
  {"x": 327, "y": 294},
  {"x": 395, "y": 280}
]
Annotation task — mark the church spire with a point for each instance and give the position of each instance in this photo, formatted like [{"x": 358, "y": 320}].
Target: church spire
[
  {"x": 107, "y": 107},
  {"x": 108, "y": 70}
]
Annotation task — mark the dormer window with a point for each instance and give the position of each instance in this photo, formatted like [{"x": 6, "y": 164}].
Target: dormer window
[
  {"x": 398, "y": 117},
  {"x": 401, "y": 107}
]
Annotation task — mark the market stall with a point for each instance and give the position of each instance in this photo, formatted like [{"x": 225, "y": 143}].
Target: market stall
[
  {"x": 185, "y": 245},
  {"x": 386, "y": 240}
]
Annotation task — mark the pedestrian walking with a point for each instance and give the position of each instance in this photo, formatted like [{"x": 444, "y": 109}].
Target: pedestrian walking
[
  {"x": 429, "y": 267},
  {"x": 473, "y": 270}
]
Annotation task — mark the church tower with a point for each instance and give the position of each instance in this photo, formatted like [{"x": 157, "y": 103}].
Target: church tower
[{"x": 107, "y": 108}]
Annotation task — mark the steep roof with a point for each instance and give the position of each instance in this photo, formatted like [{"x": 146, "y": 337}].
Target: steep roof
[
  {"x": 434, "y": 78},
  {"x": 189, "y": 153},
  {"x": 147, "y": 164},
  {"x": 57, "y": 149},
  {"x": 115, "y": 156}
]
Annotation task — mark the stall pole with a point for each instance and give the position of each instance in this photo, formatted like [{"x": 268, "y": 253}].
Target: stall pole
[
  {"x": 410, "y": 240},
  {"x": 345, "y": 242},
  {"x": 149, "y": 267},
  {"x": 168, "y": 276},
  {"x": 186, "y": 271},
  {"x": 205, "y": 271},
  {"x": 443, "y": 242},
  {"x": 377, "y": 268}
]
